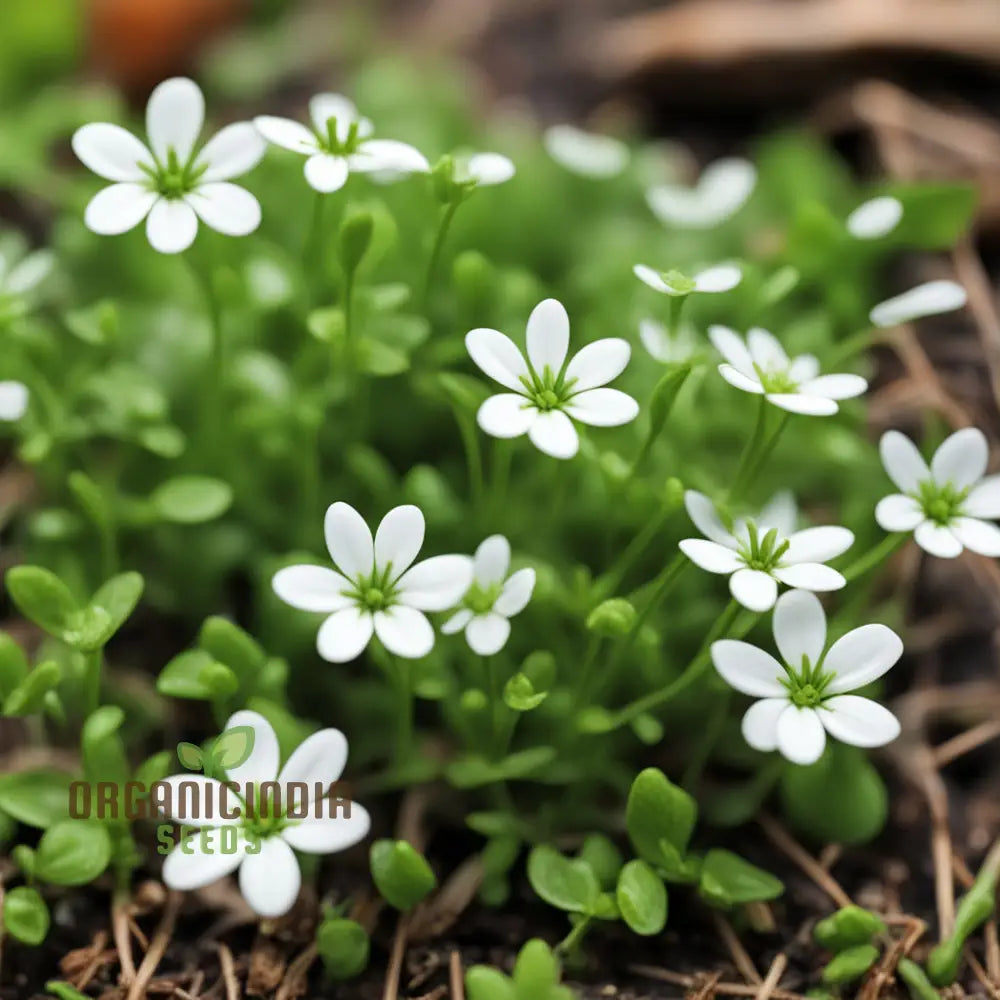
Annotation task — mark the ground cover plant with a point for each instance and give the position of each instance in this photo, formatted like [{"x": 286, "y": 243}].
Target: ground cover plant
[{"x": 529, "y": 473}]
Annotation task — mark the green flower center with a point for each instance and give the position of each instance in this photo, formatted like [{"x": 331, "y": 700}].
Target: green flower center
[
  {"x": 806, "y": 696},
  {"x": 481, "y": 599},
  {"x": 547, "y": 391},
  {"x": 941, "y": 504},
  {"x": 376, "y": 592},
  {"x": 777, "y": 381},
  {"x": 267, "y": 818},
  {"x": 762, "y": 553},
  {"x": 174, "y": 179},
  {"x": 331, "y": 143},
  {"x": 807, "y": 685}
]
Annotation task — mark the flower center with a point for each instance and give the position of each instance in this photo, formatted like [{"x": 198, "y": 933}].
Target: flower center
[
  {"x": 762, "y": 553},
  {"x": 174, "y": 179},
  {"x": 376, "y": 592},
  {"x": 806, "y": 686},
  {"x": 547, "y": 391},
  {"x": 334, "y": 145},
  {"x": 940, "y": 504},
  {"x": 806, "y": 696},
  {"x": 776, "y": 380},
  {"x": 267, "y": 817},
  {"x": 480, "y": 599}
]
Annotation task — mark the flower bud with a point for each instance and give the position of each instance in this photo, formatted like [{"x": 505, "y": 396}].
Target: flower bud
[
  {"x": 355, "y": 238},
  {"x": 473, "y": 701},
  {"x": 673, "y": 494},
  {"x": 472, "y": 275},
  {"x": 443, "y": 180},
  {"x": 612, "y": 618}
]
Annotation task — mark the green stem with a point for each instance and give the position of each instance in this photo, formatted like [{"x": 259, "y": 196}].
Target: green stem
[
  {"x": 215, "y": 384},
  {"x": 349, "y": 346},
  {"x": 93, "y": 666},
  {"x": 754, "y": 442},
  {"x": 502, "y": 454},
  {"x": 404, "y": 710},
  {"x": 583, "y": 685},
  {"x": 571, "y": 942},
  {"x": 853, "y": 345},
  {"x": 874, "y": 556},
  {"x": 635, "y": 549},
  {"x": 442, "y": 234},
  {"x": 473, "y": 457},
  {"x": 706, "y": 742},
  {"x": 492, "y": 688},
  {"x": 310, "y": 245},
  {"x": 768, "y": 449}
]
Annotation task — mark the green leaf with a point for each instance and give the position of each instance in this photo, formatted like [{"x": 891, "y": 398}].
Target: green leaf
[
  {"x": 536, "y": 970},
  {"x": 233, "y": 747},
  {"x": 380, "y": 359},
  {"x": 104, "y": 756},
  {"x": 935, "y": 215},
  {"x": 190, "y": 756},
  {"x": 850, "y": 964},
  {"x": 118, "y": 597},
  {"x": 326, "y": 325},
  {"x": 95, "y": 324},
  {"x": 483, "y": 982},
  {"x": 231, "y": 645},
  {"x": 727, "y": 880},
  {"x": 43, "y": 598},
  {"x": 642, "y": 898},
  {"x": 196, "y": 675},
  {"x": 91, "y": 500},
  {"x": 658, "y": 810},
  {"x": 154, "y": 768},
  {"x": 63, "y": 991},
  {"x": 343, "y": 947},
  {"x": 36, "y": 798},
  {"x": 401, "y": 873},
  {"x": 473, "y": 771},
  {"x": 192, "y": 499},
  {"x": 520, "y": 695},
  {"x": 13, "y": 665},
  {"x": 25, "y": 915},
  {"x": 565, "y": 883},
  {"x": 29, "y": 696},
  {"x": 604, "y": 858},
  {"x": 90, "y": 629},
  {"x": 849, "y": 926},
  {"x": 73, "y": 852}
]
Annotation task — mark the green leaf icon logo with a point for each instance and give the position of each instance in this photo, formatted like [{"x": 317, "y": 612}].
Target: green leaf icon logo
[
  {"x": 190, "y": 756},
  {"x": 233, "y": 747}
]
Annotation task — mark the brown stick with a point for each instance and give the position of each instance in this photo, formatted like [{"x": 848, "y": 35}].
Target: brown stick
[
  {"x": 296, "y": 973},
  {"x": 157, "y": 947},
  {"x": 742, "y": 961},
  {"x": 455, "y": 976},
  {"x": 693, "y": 982},
  {"x": 785, "y": 843},
  {"x": 228, "y": 972},
  {"x": 395, "y": 970},
  {"x": 965, "y": 742},
  {"x": 123, "y": 937},
  {"x": 773, "y": 977}
]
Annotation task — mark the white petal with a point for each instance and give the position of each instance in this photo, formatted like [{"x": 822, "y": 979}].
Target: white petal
[
  {"x": 404, "y": 631},
  {"x": 984, "y": 500},
  {"x": 656, "y": 340},
  {"x": 174, "y": 116},
  {"x": 754, "y": 589},
  {"x": 961, "y": 459},
  {"x": 737, "y": 379},
  {"x": 766, "y": 350},
  {"x": 732, "y": 347},
  {"x": 780, "y": 512},
  {"x": 859, "y": 721},
  {"x": 487, "y": 634},
  {"x": 818, "y": 544},
  {"x": 598, "y": 363},
  {"x": 706, "y": 518},
  {"x": 457, "y": 622},
  {"x": 286, "y": 133},
  {"x": 29, "y": 273},
  {"x": 398, "y": 539},
  {"x": 861, "y": 656},
  {"x": 118, "y": 208},
  {"x": 206, "y": 863},
  {"x": 801, "y": 738},
  {"x": 898, "y": 512},
  {"x": 326, "y": 173},
  {"x": 799, "y": 628},
  {"x": 436, "y": 584},
  {"x": 13, "y": 400},
  {"x": 811, "y": 576},
  {"x": 584, "y": 153},
  {"x": 332, "y": 833},
  {"x": 506, "y": 415},
  {"x": 497, "y": 356},
  {"x": 748, "y": 669},
  {"x": 726, "y": 184},
  {"x": 232, "y": 151},
  {"x": 318, "y": 759},
  {"x": 312, "y": 588},
  {"x": 349, "y": 540},
  {"x": 270, "y": 880},
  {"x": 903, "y": 463},
  {"x": 198, "y": 801},
  {"x": 875, "y": 218},
  {"x": 937, "y": 540},
  {"x": 344, "y": 635},
  {"x": 721, "y": 278},
  {"x": 262, "y": 764},
  {"x": 925, "y": 300},
  {"x": 489, "y": 168},
  {"x": 491, "y": 561},
  {"x": 388, "y": 154},
  {"x": 323, "y": 107},
  {"x": 711, "y": 556},
  {"x": 654, "y": 279},
  {"x": 804, "y": 368},
  {"x": 516, "y": 593},
  {"x": 171, "y": 226},
  {"x": 602, "y": 407},
  {"x": 554, "y": 434},
  {"x": 111, "y": 152},
  {"x": 813, "y": 406},
  {"x": 979, "y": 536},
  {"x": 227, "y": 208},
  {"x": 841, "y": 386},
  {"x": 760, "y": 723},
  {"x": 548, "y": 336}
]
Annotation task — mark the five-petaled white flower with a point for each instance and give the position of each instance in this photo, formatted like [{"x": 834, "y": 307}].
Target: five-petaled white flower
[
  {"x": 721, "y": 191},
  {"x": 875, "y": 218},
  {"x": 339, "y": 143},
  {"x": 546, "y": 390},
  {"x": 948, "y": 506},
  {"x": 377, "y": 589},
  {"x": 761, "y": 366},
  {"x": 13, "y": 400},
  {"x": 588, "y": 154},
  {"x": 758, "y": 554},
  {"x": 260, "y": 838},
  {"x": 665, "y": 346},
  {"x": 493, "y": 599},
  {"x": 807, "y": 696},
  {"x": 929, "y": 299},
  {"x": 170, "y": 183},
  {"x": 721, "y": 278}
]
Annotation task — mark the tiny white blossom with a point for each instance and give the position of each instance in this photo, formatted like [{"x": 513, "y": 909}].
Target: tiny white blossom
[
  {"x": 721, "y": 191},
  {"x": 761, "y": 366},
  {"x": 808, "y": 694},
  {"x": 928, "y": 299},
  {"x": 261, "y": 841},
  {"x": 948, "y": 506},
  {"x": 340, "y": 143},
  {"x": 13, "y": 400},
  {"x": 170, "y": 183},
  {"x": 586, "y": 153},
  {"x": 721, "y": 278},
  {"x": 759, "y": 553},
  {"x": 546, "y": 389},
  {"x": 875, "y": 218},
  {"x": 486, "y": 169},
  {"x": 377, "y": 590},
  {"x": 664, "y": 346},
  {"x": 493, "y": 599}
]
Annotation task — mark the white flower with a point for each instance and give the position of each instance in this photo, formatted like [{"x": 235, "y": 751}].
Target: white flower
[
  {"x": 721, "y": 191},
  {"x": 13, "y": 400},
  {"x": 875, "y": 218},
  {"x": 664, "y": 346},
  {"x": 493, "y": 598},
  {"x": 928, "y": 299},
  {"x": 758, "y": 554},
  {"x": 807, "y": 696},
  {"x": 486, "y": 169},
  {"x": 948, "y": 506},
  {"x": 761, "y": 366},
  {"x": 20, "y": 273},
  {"x": 377, "y": 589},
  {"x": 720, "y": 278},
  {"x": 263, "y": 839},
  {"x": 170, "y": 184},
  {"x": 585, "y": 153},
  {"x": 339, "y": 143},
  {"x": 546, "y": 390}
]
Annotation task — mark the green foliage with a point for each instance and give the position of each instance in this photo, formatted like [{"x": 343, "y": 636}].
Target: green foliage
[
  {"x": 25, "y": 915},
  {"x": 728, "y": 880},
  {"x": 536, "y": 977},
  {"x": 849, "y": 965},
  {"x": 72, "y": 852},
  {"x": 660, "y": 818},
  {"x": 642, "y": 898},
  {"x": 401, "y": 873},
  {"x": 343, "y": 947},
  {"x": 849, "y": 926}
]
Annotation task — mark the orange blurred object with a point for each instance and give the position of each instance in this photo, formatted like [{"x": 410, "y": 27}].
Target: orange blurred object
[{"x": 137, "y": 43}]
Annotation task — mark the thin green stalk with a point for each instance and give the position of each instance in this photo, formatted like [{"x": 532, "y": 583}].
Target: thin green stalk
[
  {"x": 473, "y": 457},
  {"x": 215, "y": 383},
  {"x": 764, "y": 454},
  {"x": 571, "y": 942},
  {"x": 875, "y": 556},
  {"x": 853, "y": 345},
  {"x": 348, "y": 324},
  {"x": 492, "y": 688},
  {"x": 404, "y": 709},
  {"x": 706, "y": 743},
  {"x": 313, "y": 233},
  {"x": 586, "y": 672},
  {"x": 754, "y": 442},
  {"x": 613, "y": 578},
  {"x": 93, "y": 667},
  {"x": 442, "y": 234},
  {"x": 503, "y": 453}
]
